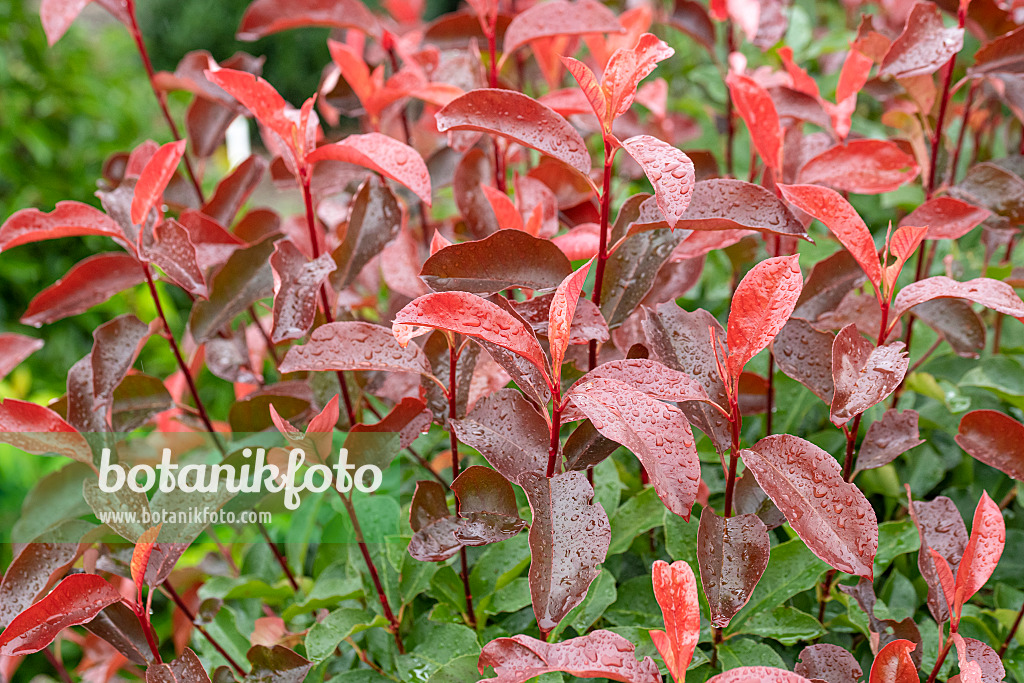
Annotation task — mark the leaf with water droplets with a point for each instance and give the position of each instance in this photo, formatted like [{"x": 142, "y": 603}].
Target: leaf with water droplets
[
  {"x": 558, "y": 18},
  {"x": 561, "y": 314},
  {"x": 433, "y": 525},
  {"x": 141, "y": 554},
  {"x": 864, "y": 374},
  {"x": 116, "y": 344},
  {"x": 755, "y": 107},
  {"x": 984, "y": 548},
  {"x": 995, "y": 439},
  {"x": 626, "y": 68},
  {"x": 894, "y": 665},
  {"x": 829, "y": 207},
  {"x": 154, "y": 178},
  {"x": 264, "y": 17},
  {"x": 942, "y": 530},
  {"x": 599, "y": 654},
  {"x": 381, "y": 154},
  {"x": 761, "y": 305},
  {"x": 670, "y": 172},
  {"x": 409, "y": 418},
  {"x": 657, "y": 433},
  {"x": 473, "y": 316},
  {"x": 675, "y": 589},
  {"x": 947, "y": 218},
  {"x": 14, "y": 348},
  {"x": 243, "y": 280},
  {"x": 861, "y": 167},
  {"x": 487, "y": 507},
  {"x": 91, "y": 281},
  {"x": 39, "y": 430},
  {"x": 757, "y": 674},
  {"x": 520, "y": 118},
  {"x": 297, "y": 284},
  {"x": 805, "y": 354},
  {"x": 976, "y": 657},
  {"x": 888, "y": 437},
  {"x": 650, "y": 377},
  {"x": 958, "y": 323},
  {"x": 569, "y": 538},
  {"x": 591, "y": 88},
  {"x": 508, "y": 258},
  {"x": 354, "y": 346},
  {"x": 259, "y": 97},
  {"x": 75, "y": 600},
  {"x": 732, "y": 553},
  {"x": 509, "y": 432},
  {"x": 999, "y": 296},
  {"x": 68, "y": 219},
  {"x": 925, "y": 45},
  {"x": 829, "y": 663},
  {"x": 375, "y": 220},
  {"x": 729, "y": 204},
  {"x": 831, "y": 515}
]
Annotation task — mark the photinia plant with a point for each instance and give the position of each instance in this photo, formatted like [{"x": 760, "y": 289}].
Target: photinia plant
[{"x": 665, "y": 427}]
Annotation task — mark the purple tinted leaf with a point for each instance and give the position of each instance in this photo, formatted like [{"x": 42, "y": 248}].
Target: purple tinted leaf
[
  {"x": 805, "y": 354},
  {"x": 116, "y": 344},
  {"x": 995, "y": 439},
  {"x": 234, "y": 190},
  {"x": 947, "y": 218},
  {"x": 264, "y": 17},
  {"x": 728, "y": 204},
  {"x": 941, "y": 529},
  {"x": 732, "y": 553},
  {"x": 888, "y": 437},
  {"x": 990, "y": 293},
  {"x": 243, "y": 280},
  {"x": 409, "y": 418},
  {"x": 297, "y": 284},
  {"x": 487, "y": 506},
  {"x": 473, "y": 171},
  {"x": 995, "y": 188},
  {"x": 957, "y": 322},
  {"x": 750, "y": 499},
  {"x": 924, "y": 46},
  {"x": 587, "y": 322},
  {"x": 277, "y": 664},
  {"x": 33, "y": 569},
  {"x": 829, "y": 663},
  {"x": 432, "y": 524},
  {"x": 864, "y": 374},
  {"x": 375, "y": 220},
  {"x": 831, "y": 515},
  {"x": 170, "y": 247},
  {"x": 354, "y": 346},
  {"x": 988, "y": 663},
  {"x": 509, "y": 432}
]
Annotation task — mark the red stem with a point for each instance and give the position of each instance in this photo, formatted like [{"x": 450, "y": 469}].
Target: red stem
[
  {"x": 730, "y": 125},
  {"x": 199, "y": 627},
  {"x": 453, "y": 400},
  {"x": 278, "y": 556},
  {"x": 963, "y": 130},
  {"x": 941, "y": 658},
  {"x": 1013, "y": 631},
  {"x": 735, "y": 420},
  {"x": 602, "y": 249},
  {"x": 57, "y": 664}
]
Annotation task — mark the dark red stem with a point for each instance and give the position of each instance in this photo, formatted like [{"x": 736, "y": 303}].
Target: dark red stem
[
  {"x": 735, "y": 420},
  {"x": 941, "y": 658},
  {"x": 453, "y": 401},
  {"x": 57, "y": 664},
  {"x": 199, "y": 627},
  {"x": 1013, "y": 631},
  {"x": 963, "y": 130},
  {"x": 278, "y": 556},
  {"x": 602, "y": 249}
]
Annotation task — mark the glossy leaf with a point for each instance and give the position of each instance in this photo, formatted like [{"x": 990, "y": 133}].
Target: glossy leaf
[
  {"x": 599, "y": 654},
  {"x": 264, "y": 17},
  {"x": 508, "y": 258},
  {"x": 569, "y": 537},
  {"x": 141, "y": 554},
  {"x": 245, "y": 278},
  {"x": 894, "y": 665},
  {"x": 14, "y": 348},
  {"x": 487, "y": 506},
  {"x": 728, "y": 204},
  {"x": 975, "y": 655},
  {"x": 89, "y": 282},
  {"x": 380, "y": 154},
  {"x": 861, "y": 167},
  {"x": 995, "y": 439},
  {"x": 999, "y": 296},
  {"x": 260, "y": 98},
  {"x": 626, "y": 68},
  {"x": 761, "y": 305},
  {"x": 863, "y": 374},
  {"x": 75, "y": 600},
  {"x": 657, "y": 433},
  {"x": 805, "y": 354},
  {"x": 39, "y": 430},
  {"x": 924, "y": 46},
  {"x": 946, "y": 218},
  {"x": 558, "y": 18},
  {"x": 675, "y": 589},
  {"x": 888, "y": 437},
  {"x": 297, "y": 284},
  {"x": 650, "y": 377},
  {"x": 755, "y": 107},
  {"x": 733, "y": 554},
  {"x": 375, "y": 220},
  {"x": 957, "y": 322},
  {"x": 154, "y": 178},
  {"x": 984, "y": 548},
  {"x": 830, "y": 515},
  {"x": 829, "y": 663},
  {"x": 561, "y": 314},
  {"x": 670, "y": 172},
  {"x": 354, "y": 346},
  {"x": 68, "y": 219},
  {"x": 942, "y": 531},
  {"x": 508, "y": 432},
  {"x": 433, "y": 525},
  {"x": 757, "y": 674},
  {"x": 520, "y": 118}
]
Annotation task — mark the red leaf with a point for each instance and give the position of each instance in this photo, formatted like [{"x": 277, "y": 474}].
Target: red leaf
[
  {"x": 861, "y": 167},
  {"x": 902, "y": 244},
  {"x": 381, "y": 154},
  {"x": 947, "y": 218},
  {"x": 755, "y": 107},
  {"x": 995, "y": 439},
  {"x": 58, "y": 15},
  {"x": 982, "y": 661},
  {"x": 409, "y": 418},
  {"x": 599, "y": 654},
  {"x": 569, "y": 538},
  {"x": 558, "y": 18},
  {"x": 354, "y": 346},
  {"x": 170, "y": 247},
  {"x": 149, "y": 189},
  {"x": 75, "y": 600},
  {"x": 831, "y": 515},
  {"x": 116, "y": 345},
  {"x": 675, "y": 589},
  {"x": 947, "y": 584},
  {"x": 14, "y": 348},
  {"x": 264, "y": 17},
  {"x": 984, "y": 548},
  {"x": 732, "y": 553},
  {"x": 864, "y": 374},
  {"x": 652, "y": 378},
  {"x": 805, "y": 354},
  {"x": 942, "y": 531},
  {"x": 140, "y": 556},
  {"x": 757, "y": 674},
  {"x": 670, "y": 172},
  {"x": 802, "y": 82},
  {"x": 829, "y": 663},
  {"x": 520, "y": 118},
  {"x": 581, "y": 242},
  {"x": 657, "y": 433},
  {"x": 234, "y": 189},
  {"x": 626, "y": 68},
  {"x": 1000, "y": 55},
  {"x": 68, "y": 219},
  {"x": 297, "y": 283},
  {"x": 999, "y": 296},
  {"x": 591, "y": 88},
  {"x": 894, "y": 665},
  {"x": 487, "y": 507},
  {"x": 829, "y": 207},
  {"x": 560, "y": 316},
  {"x": 726, "y": 204},
  {"x": 472, "y": 316},
  {"x": 888, "y": 437},
  {"x": 505, "y": 210},
  {"x": 509, "y": 432},
  {"x": 33, "y": 570},
  {"x": 761, "y": 305},
  {"x": 924, "y": 46},
  {"x": 432, "y": 523},
  {"x": 260, "y": 98},
  {"x": 38, "y": 430}
]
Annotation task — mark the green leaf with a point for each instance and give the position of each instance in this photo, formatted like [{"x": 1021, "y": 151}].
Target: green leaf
[
  {"x": 681, "y": 537},
  {"x": 1001, "y": 375},
  {"x": 337, "y": 582},
  {"x": 459, "y": 670},
  {"x": 511, "y": 598},
  {"x": 499, "y": 565},
  {"x": 785, "y": 624},
  {"x": 600, "y": 596},
  {"x": 895, "y": 539},
  {"x": 433, "y": 645},
  {"x": 636, "y": 604},
  {"x": 326, "y": 635},
  {"x": 227, "y": 588},
  {"x": 738, "y": 652},
  {"x": 446, "y": 587},
  {"x": 792, "y": 569},
  {"x": 640, "y": 513},
  {"x": 416, "y": 576},
  {"x": 607, "y": 485}
]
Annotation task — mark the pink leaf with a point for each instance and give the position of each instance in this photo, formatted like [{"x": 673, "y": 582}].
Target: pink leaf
[
  {"x": 591, "y": 88},
  {"x": 558, "y": 18},
  {"x": 757, "y": 674},
  {"x": 626, "y": 68},
  {"x": 58, "y": 15},
  {"x": 726, "y": 204},
  {"x": 670, "y": 172},
  {"x": 581, "y": 242},
  {"x": 504, "y": 209},
  {"x": 38, "y": 430},
  {"x": 153, "y": 181},
  {"x": 828, "y": 663},
  {"x": 861, "y": 167},
  {"x": 829, "y": 207},
  {"x": 946, "y": 218},
  {"x": 831, "y": 515},
  {"x": 520, "y": 118},
  {"x": 925, "y": 45},
  {"x": 984, "y": 548},
  {"x": 999, "y": 296},
  {"x": 560, "y": 316},
  {"x": 894, "y": 665},
  {"x": 14, "y": 348},
  {"x": 755, "y": 107},
  {"x": 264, "y": 17},
  {"x": 675, "y": 589},
  {"x": 68, "y": 219},
  {"x": 599, "y": 654},
  {"x": 381, "y": 154},
  {"x": 903, "y": 243},
  {"x": 297, "y": 283},
  {"x": 761, "y": 305},
  {"x": 976, "y": 657}
]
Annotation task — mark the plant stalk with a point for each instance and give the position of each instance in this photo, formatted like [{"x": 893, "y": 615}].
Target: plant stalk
[
  {"x": 57, "y": 664},
  {"x": 199, "y": 627},
  {"x": 942, "y": 658},
  {"x": 278, "y": 556},
  {"x": 602, "y": 249},
  {"x": 453, "y": 400},
  {"x": 730, "y": 481}
]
